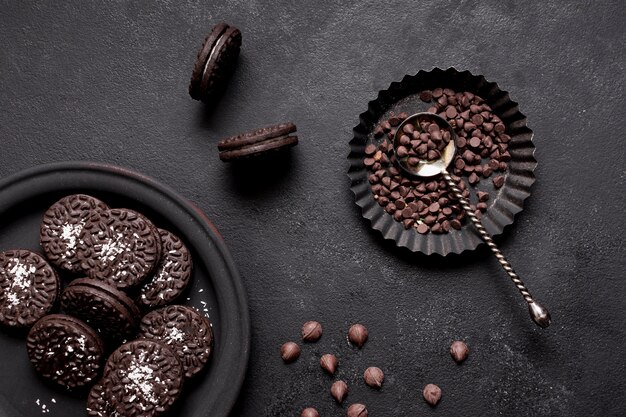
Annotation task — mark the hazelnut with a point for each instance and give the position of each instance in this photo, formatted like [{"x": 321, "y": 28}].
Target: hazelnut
[{"x": 432, "y": 394}]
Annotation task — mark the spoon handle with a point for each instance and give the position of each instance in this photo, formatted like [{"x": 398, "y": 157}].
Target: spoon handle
[{"x": 538, "y": 313}]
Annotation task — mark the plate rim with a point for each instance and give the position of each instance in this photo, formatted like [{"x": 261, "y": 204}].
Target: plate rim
[{"x": 236, "y": 296}]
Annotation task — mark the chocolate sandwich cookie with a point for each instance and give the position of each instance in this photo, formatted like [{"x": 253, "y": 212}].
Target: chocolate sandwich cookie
[
  {"x": 109, "y": 311},
  {"x": 215, "y": 62},
  {"x": 29, "y": 287},
  {"x": 187, "y": 332},
  {"x": 258, "y": 142},
  {"x": 119, "y": 246},
  {"x": 61, "y": 226},
  {"x": 142, "y": 378},
  {"x": 65, "y": 350},
  {"x": 171, "y": 276}
]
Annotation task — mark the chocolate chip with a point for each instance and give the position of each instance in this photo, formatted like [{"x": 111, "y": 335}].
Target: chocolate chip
[
  {"x": 451, "y": 112},
  {"x": 290, "y": 351},
  {"x": 473, "y": 178},
  {"x": 407, "y": 212},
  {"x": 498, "y": 181},
  {"x": 374, "y": 377},
  {"x": 505, "y": 156},
  {"x": 426, "y": 96},
  {"x": 474, "y": 142},
  {"x": 434, "y": 207},
  {"x": 357, "y": 335},
  {"x": 477, "y": 119},
  {"x": 370, "y": 149},
  {"x": 357, "y": 410},
  {"x": 408, "y": 128},
  {"x": 328, "y": 362},
  {"x": 482, "y": 196},
  {"x": 311, "y": 331},
  {"x": 386, "y": 126},
  {"x": 459, "y": 351},
  {"x": 395, "y": 120},
  {"x": 339, "y": 391},
  {"x": 309, "y": 412},
  {"x": 437, "y": 92}
]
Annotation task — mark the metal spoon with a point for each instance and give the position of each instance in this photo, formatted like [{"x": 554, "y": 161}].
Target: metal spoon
[{"x": 538, "y": 313}]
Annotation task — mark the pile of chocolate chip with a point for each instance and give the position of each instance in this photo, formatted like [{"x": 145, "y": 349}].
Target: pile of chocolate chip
[
  {"x": 425, "y": 141},
  {"x": 426, "y": 204},
  {"x": 372, "y": 376}
]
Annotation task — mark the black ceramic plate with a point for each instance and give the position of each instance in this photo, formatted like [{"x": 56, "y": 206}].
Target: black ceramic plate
[
  {"x": 216, "y": 288},
  {"x": 503, "y": 204}
]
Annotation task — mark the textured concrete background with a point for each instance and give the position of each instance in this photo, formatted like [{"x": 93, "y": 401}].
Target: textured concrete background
[{"x": 107, "y": 81}]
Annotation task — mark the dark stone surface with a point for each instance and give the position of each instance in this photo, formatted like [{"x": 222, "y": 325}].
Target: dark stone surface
[{"x": 108, "y": 82}]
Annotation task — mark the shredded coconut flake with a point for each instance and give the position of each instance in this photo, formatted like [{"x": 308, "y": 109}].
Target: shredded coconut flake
[
  {"x": 176, "y": 334},
  {"x": 70, "y": 233},
  {"x": 112, "y": 247},
  {"x": 22, "y": 275},
  {"x": 141, "y": 377}
]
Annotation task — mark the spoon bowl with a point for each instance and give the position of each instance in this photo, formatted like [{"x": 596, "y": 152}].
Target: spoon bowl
[{"x": 426, "y": 168}]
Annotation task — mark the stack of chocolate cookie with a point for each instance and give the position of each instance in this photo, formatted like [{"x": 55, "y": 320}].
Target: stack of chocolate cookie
[{"x": 120, "y": 267}]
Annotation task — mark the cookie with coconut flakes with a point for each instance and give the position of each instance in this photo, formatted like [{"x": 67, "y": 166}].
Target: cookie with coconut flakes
[
  {"x": 61, "y": 227},
  {"x": 171, "y": 276},
  {"x": 29, "y": 288},
  {"x": 141, "y": 378},
  {"x": 120, "y": 247},
  {"x": 187, "y": 332}
]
